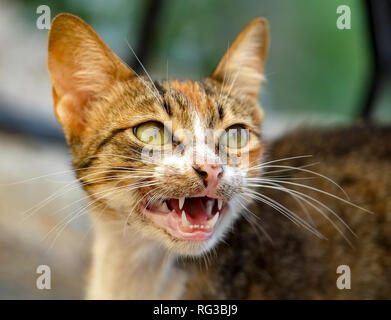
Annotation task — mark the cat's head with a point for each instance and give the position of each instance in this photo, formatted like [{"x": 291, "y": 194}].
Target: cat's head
[{"x": 166, "y": 160}]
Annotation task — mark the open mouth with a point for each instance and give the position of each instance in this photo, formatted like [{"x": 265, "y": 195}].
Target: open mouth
[{"x": 190, "y": 218}]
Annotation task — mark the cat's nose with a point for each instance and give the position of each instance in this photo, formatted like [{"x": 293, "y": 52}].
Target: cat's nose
[{"x": 210, "y": 173}]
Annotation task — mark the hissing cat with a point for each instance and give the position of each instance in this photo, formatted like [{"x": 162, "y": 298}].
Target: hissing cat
[{"x": 169, "y": 166}]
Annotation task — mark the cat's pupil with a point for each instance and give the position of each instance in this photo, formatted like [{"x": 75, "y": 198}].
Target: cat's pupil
[{"x": 152, "y": 133}]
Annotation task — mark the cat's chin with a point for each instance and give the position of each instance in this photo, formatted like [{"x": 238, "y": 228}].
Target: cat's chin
[{"x": 190, "y": 219}]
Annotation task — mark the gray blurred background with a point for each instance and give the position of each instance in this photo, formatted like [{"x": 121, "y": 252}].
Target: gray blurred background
[{"x": 317, "y": 75}]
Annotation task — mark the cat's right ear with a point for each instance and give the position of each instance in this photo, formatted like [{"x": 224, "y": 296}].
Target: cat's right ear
[
  {"x": 242, "y": 65},
  {"x": 81, "y": 68}
]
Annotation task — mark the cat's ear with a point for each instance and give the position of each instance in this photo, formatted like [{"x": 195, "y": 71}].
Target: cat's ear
[
  {"x": 81, "y": 68},
  {"x": 242, "y": 65}
]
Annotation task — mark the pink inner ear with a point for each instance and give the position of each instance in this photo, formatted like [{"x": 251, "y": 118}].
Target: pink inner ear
[
  {"x": 69, "y": 112},
  {"x": 63, "y": 79}
]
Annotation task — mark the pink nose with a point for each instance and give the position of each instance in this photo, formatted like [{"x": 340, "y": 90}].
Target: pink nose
[{"x": 210, "y": 173}]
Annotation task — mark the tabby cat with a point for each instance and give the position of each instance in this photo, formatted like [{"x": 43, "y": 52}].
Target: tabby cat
[{"x": 186, "y": 199}]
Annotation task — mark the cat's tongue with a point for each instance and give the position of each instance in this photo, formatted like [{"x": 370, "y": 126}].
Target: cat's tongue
[{"x": 195, "y": 208}]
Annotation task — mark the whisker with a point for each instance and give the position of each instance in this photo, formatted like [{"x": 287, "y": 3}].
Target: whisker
[
  {"x": 64, "y": 222},
  {"x": 288, "y": 158},
  {"x": 302, "y": 196},
  {"x": 65, "y": 189},
  {"x": 80, "y": 211},
  {"x": 145, "y": 70},
  {"x": 320, "y": 191},
  {"x": 63, "y": 172},
  {"x": 119, "y": 156},
  {"x": 285, "y": 211},
  {"x": 317, "y": 174},
  {"x": 265, "y": 173},
  {"x": 254, "y": 223}
]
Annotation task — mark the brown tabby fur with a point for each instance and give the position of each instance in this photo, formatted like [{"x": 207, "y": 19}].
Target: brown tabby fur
[
  {"x": 98, "y": 100},
  {"x": 296, "y": 264}
]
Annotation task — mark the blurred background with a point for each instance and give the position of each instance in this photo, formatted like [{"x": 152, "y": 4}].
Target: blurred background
[{"x": 317, "y": 75}]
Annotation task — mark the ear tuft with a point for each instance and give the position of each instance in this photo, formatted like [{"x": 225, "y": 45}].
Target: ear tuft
[
  {"x": 242, "y": 65},
  {"x": 81, "y": 67}
]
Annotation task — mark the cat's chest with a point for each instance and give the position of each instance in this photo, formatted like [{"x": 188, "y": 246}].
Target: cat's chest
[
  {"x": 133, "y": 270},
  {"x": 155, "y": 277}
]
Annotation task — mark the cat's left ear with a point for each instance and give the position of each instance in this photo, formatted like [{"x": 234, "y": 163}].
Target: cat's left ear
[
  {"x": 242, "y": 65},
  {"x": 81, "y": 67}
]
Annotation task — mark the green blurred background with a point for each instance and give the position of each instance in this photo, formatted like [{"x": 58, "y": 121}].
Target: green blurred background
[{"x": 314, "y": 69}]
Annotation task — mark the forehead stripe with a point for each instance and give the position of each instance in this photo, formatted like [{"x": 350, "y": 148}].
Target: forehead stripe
[
  {"x": 162, "y": 92},
  {"x": 221, "y": 111}
]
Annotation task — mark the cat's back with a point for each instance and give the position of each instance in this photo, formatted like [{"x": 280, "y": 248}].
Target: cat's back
[{"x": 294, "y": 263}]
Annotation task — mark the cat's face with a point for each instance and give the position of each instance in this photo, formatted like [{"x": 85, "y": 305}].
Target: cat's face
[{"x": 168, "y": 160}]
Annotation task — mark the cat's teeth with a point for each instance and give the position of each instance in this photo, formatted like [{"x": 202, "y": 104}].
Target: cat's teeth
[
  {"x": 164, "y": 206},
  {"x": 185, "y": 222},
  {"x": 211, "y": 223},
  {"x": 181, "y": 202},
  {"x": 209, "y": 207},
  {"x": 219, "y": 203}
]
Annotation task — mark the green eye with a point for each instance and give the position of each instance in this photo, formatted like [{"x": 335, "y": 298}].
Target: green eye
[
  {"x": 234, "y": 137},
  {"x": 152, "y": 133}
]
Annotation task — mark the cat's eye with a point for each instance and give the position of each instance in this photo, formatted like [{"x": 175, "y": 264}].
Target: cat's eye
[
  {"x": 234, "y": 137},
  {"x": 152, "y": 132}
]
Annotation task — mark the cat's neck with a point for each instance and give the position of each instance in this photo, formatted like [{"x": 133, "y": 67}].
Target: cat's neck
[{"x": 131, "y": 267}]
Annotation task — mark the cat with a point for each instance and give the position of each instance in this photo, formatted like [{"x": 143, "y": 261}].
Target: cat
[{"x": 189, "y": 202}]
